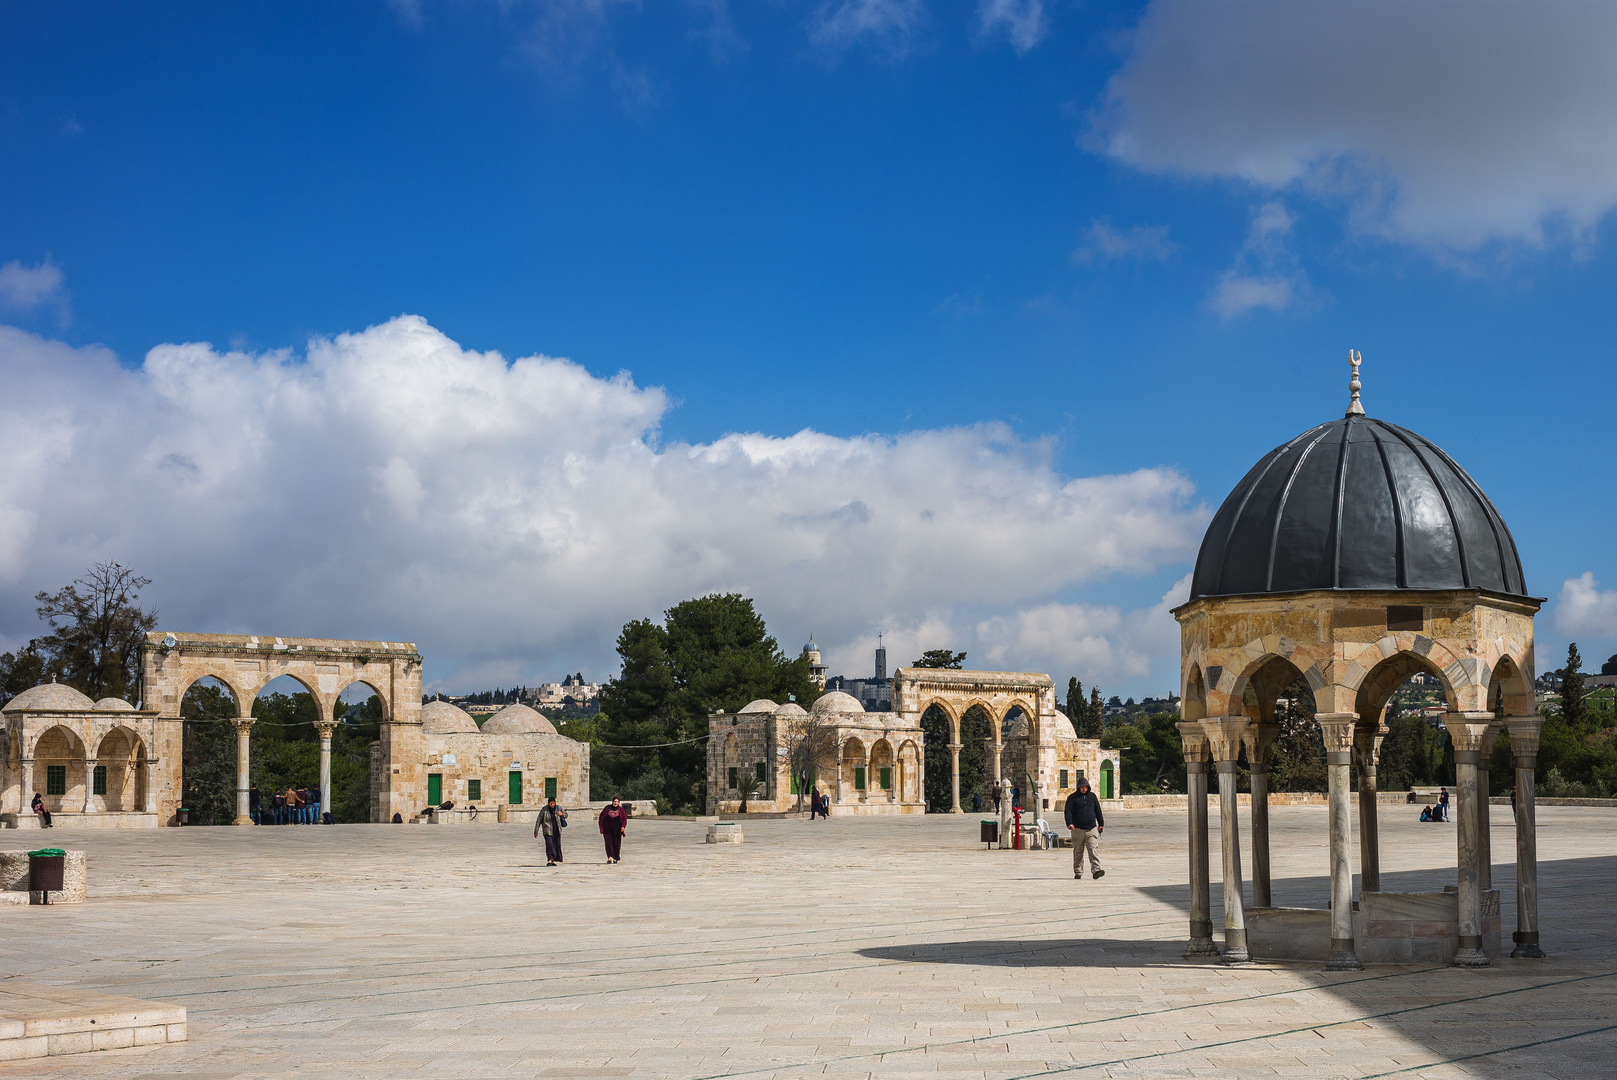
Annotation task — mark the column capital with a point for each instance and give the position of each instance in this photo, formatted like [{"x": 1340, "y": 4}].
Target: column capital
[
  {"x": 1490, "y": 737},
  {"x": 324, "y": 728},
  {"x": 1466, "y": 729},
  {"x": 1193, "y": 740},
  {"x": 244, "y": 725},
  {"x": 1338, "y": 729},
  {"x": 1224, "y": 736},
  {"x": 1524, "y": 733},
  {"x": 1367, "y": 745},
  {"x": 1260, "y": 741}
]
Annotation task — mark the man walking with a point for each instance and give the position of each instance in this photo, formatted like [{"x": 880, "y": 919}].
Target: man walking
[{"x": 1086, "y": 821}]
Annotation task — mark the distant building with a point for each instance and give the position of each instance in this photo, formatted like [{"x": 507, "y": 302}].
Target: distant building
[
  {"x": 875, "y": 694},
  {"x": 573, "y": 686},
  {"x": 811, "y": 653}
]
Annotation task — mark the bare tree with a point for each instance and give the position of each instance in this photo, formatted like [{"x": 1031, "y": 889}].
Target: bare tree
[
  {"x": 809, "y": 742},
  {"x": 96, "y": 630}
]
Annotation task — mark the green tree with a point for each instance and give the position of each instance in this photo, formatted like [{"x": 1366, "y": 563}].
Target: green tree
[
  {"x": 1077, "y": 709},
  {"x": 20, "y": 671},
  {"x": 97, "y": 628},
  {"x": 712, "y": 653},
  {"x": 940, "y": 658},
  {"x": 1574, "y": 710},
  {"x": 208, "y": 755},
  {"x": 935, "y": 736},
  {"x": 1153, "y": 754},
  {"x": 1097, "y": 716},
  {"x": 1297, "y": 762},
  {"x": 1610, "y": 666}
]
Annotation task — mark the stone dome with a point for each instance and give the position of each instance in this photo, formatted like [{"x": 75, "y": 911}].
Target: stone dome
[
  {"x": 791, "y": 709},
  {"x": 763, "y": 705},
  {"x": 49, "y": 697},
  {"x": 518, "y": 720},
  {"x": 442, "y": 718},
  {"x": 113, "y": 704},
  {"x": 1356, "y": 504},
  {"x": 836, "y": 702}
]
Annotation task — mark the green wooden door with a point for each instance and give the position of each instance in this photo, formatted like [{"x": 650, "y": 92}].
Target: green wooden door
[
  {"x": 550, "y": 787},
  {"x": 1106, "y": 780},
  {"x": 514, "y": 795},
  {"x": 435, "y": 789}
]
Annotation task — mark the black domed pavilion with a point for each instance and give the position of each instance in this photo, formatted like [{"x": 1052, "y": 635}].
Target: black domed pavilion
[{"x": 1352, "y": 557}]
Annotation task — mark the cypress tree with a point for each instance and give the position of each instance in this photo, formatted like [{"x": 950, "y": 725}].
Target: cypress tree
[
  {"x": 1097, "y": 715},
  {"x": 1574, "y": 710},
  {"x": 1076, "y": 708}
]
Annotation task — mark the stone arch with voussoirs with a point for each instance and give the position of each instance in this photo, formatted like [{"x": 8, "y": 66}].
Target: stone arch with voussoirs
[{"x": 172, "y": 662}]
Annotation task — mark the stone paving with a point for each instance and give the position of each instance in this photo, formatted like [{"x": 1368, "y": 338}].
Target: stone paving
[{"x": 872, "y": 947}]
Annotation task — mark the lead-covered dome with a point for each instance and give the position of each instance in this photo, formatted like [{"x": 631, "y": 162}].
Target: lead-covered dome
[
  {"x": 518, "y": 720},
  {"x": 1356, "y": 504},
  {"x": 836, "y": 702}
]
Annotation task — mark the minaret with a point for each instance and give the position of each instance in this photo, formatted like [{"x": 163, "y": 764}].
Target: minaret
[
  {"x": 811, "y": 652},
  {"x": 881, "y": 660}
]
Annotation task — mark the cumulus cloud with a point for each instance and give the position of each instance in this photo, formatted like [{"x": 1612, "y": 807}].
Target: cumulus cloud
[
  {"x": 511, "y": 516},
  {"x": 1447, "y": 125},
  {"x": 888, "y": 26},
  {"x": 1104, "y": 242},
  {"x": 1023, "y": 22},
  {"x": 1265, "y": 274},
  {"x": 1584, "y": 608},
  {"x": 23, "y": 288}
]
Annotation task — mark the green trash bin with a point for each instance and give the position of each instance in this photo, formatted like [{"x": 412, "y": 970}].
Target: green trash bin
[{"x": 46, "y": 868}]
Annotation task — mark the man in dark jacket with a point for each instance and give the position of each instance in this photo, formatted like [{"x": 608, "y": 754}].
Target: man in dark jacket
[{"x": 1086, "y": 821}]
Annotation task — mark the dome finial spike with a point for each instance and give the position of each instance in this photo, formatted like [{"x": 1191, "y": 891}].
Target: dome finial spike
[{"x": 1355, "y": 408}]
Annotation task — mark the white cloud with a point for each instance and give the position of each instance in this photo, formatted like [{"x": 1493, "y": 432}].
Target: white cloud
[
  {"x": 1103, "y": 242},
  {"x": 886, "y": 25},
  {"x": 1265, "y": 275},
  {"x": 511, "y": 516},
  {"x": 27, "y": 287},
  {"x": 1442, "y": 124},
  {"x": 1023, "y": 22},
  {"x": 1584, "y": 608}
]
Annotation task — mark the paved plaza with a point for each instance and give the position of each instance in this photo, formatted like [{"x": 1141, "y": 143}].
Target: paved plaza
[{"x": 885, "y": 947}]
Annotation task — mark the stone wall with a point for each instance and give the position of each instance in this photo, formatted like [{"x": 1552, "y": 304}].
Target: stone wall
[{"x": 14, "y": 878}]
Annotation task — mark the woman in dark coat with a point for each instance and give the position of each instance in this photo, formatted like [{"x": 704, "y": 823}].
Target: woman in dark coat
[
  {"x": 551, "y": 820},
  {"x": 614, "y": 821},
  {"x": 38, "y": 807}
]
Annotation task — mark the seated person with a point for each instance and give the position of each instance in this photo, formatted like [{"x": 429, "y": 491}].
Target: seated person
[
  {"x": 1426, "y": 813},
  {"x": 39, "y": 810}
]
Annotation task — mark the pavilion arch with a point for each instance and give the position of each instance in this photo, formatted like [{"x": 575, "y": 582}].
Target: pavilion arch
[
  {"x": 882, "y": 757},
  {"x": 244, "y": 701},
  {"x": 1194, "y": 694},
  {"x": 59, "y": 747},
  {"x": 387, "y": 706},
  {"x": 949, "y": 714},
  {"x": 123, "y": 754},
  {"x": 908, "y": 787},
  {"x": 1262, "y": 684},
  {"x": 855, "y": 757},
  {"x": 1377, "y": 685},
  {"x": 1511, "y": 689}
]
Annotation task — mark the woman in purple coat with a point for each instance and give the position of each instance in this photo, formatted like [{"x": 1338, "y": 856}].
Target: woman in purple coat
[{"x": 614, "y": 822}]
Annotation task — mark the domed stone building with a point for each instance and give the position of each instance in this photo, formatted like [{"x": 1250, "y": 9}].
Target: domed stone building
[
  {"x": 1354, "y": 556},
  {"x": 91, "y": 761},
  {"x": 512, "y": 764}
]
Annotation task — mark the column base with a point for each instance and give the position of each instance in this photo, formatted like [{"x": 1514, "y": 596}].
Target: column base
[
  {"x": 1235, "y": 950},
  {"x": 1201, "y": 947},
  {"x": 242, "y": 819},
  {"x": 1527, "y": 947},
  {"x": 1343, "y": 958},
  {"x": 956, "y": 810},
  {"x": 1470, "y": 958}
]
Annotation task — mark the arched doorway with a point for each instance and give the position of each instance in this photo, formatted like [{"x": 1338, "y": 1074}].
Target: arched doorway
[
  {"x": 976, "y": 755},
  {"x": 286, "y": 745},
  {"x": 359, "y": 713},
  {"x": 883, "y": 783},
  {"x": 59, "y": 770},
  {"x": 1108, "y": 781},
  {"x": 937, "y": 732},
  {"x": 119, "y": 781},
  {"x": 855, "y": 772},
  {"x": 208, "y": 755}
]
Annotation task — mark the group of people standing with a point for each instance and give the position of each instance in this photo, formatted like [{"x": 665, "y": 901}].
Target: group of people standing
[
  {"x": 613, "y": 822},
  {"x": 294, "y": 806}
]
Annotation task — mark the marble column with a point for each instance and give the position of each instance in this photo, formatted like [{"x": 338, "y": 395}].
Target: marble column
[
  {"x": 1338, "y": 729},
  {"x": 1194, "y": 740},
  {"x": 1367, "y": 753},
  {"x": 1466, "y": 731},
  {"x": 244, "y": 727},
  {"x": 1260, "y": 740},
  {"x": 954, "y": 776},
  {"x": 1484, "y": 817},
  {"x": 1524, "y": 748},
  {"x": 324, "y": 728},
  {"x": 89, "y": 785},
  {"x": 148, "y": 777},
  {"x": 26, "y": 792},
  {"x": 1224, "y": 743}
]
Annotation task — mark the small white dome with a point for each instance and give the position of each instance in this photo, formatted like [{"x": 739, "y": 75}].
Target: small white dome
[
  {"x": 836, "y": 702},
  {"x": 791, "y": 709},
  {"x": 113, "y": 704},
  {"x": 442, "y": 718},
  {"x": 49, "y": 697},
  {"x": 763, "y": 705},
  {"x": 518, "y": 720}
]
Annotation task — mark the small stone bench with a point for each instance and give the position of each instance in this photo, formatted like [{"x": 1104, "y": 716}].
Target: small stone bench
[{"x": 14, "y": 879}]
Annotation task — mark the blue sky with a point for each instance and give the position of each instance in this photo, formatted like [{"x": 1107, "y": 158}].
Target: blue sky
[{"x": 987, "y": 251}]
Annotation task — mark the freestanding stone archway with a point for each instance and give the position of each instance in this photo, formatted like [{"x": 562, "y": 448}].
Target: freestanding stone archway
[
  {"x": 172, "y": 662},
  {"x": 1054, "y": 753}
]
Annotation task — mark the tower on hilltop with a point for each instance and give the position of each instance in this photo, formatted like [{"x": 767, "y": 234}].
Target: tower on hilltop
[{"x": 811, "y": 653}]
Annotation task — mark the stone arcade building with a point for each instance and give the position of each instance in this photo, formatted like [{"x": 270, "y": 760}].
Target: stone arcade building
[{"x": 1354, "y": 556}]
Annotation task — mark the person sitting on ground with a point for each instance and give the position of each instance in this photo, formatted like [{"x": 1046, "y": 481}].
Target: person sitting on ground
[
  {"x": 1426, "y": 813},
  {"x": 38, "y": 807}
]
